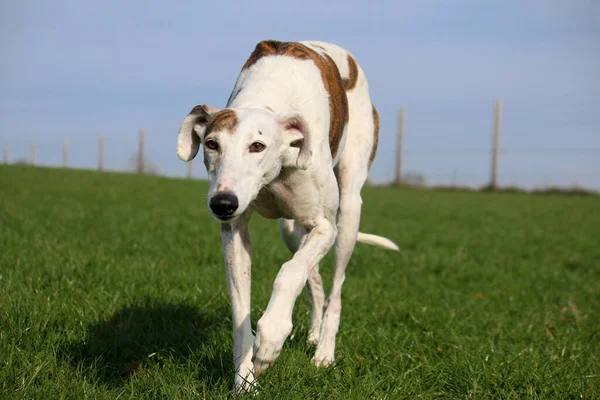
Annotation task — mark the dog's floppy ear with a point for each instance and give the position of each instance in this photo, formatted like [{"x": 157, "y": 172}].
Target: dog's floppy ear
[
  {"x": 191, "y": 131},
  {"x": 296, "y": 139}
]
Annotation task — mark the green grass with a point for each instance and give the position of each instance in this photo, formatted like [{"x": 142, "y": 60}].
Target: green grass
[{"x": 113, "y": 286}]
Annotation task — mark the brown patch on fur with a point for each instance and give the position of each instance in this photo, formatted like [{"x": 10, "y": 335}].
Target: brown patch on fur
[
  {"x": 200, "y": 111},
  {"x": 375, "y": 136},
  {"x": 270, "y": 109},
  {"x": 263, "y": 49},
  {"x": 224, "y": 120},
  {"x": 201, "y": 115},
  {"x": 350, "y": 82},
  {"x": 338, "y": 102},
  {"x": 209, "y": 109}
]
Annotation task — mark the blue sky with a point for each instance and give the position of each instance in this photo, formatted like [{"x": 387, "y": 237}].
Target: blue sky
[{"x": 73, "y": 69}]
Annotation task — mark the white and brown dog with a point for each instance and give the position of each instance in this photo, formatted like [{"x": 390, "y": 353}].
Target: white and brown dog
[{"x": 295, "y": 142}]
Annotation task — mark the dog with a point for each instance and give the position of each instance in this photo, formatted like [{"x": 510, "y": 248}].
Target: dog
[{"x": 295, "y": 143}]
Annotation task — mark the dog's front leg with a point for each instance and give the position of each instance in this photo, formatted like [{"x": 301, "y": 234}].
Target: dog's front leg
[
  {"x": 237, "y": 250},
  {"x": 276, "y": 324}
]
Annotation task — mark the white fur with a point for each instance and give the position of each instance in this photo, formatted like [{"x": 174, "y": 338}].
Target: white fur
[
  {"x": 376, "y": 241},
  {"x": 187, "y": 142},
  {"x": 295, "y": 179}
]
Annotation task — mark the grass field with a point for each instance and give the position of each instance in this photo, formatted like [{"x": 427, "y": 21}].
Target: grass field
[{"x": 113, "y": 286}]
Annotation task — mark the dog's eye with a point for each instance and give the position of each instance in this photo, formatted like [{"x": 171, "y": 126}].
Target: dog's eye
[
  {"x": 212, "y": 145},
  {"x": 256, "y": 147}
]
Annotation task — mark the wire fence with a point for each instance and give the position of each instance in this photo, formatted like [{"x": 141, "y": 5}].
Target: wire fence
[
  {"x": 520, "y": 167},
  {"x": 404, "y": 163},
  {"x": 517, "y": 168}
]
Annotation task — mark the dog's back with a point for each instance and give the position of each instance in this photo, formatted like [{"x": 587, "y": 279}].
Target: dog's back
[
  {"x": 363, "y": 129},
  {"x": 320, "y": 80}
]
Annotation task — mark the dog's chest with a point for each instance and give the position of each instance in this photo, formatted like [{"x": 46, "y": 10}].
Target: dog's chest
[
  {"x": 280, "y": 200},
  {"x": 266, "y": 205}
]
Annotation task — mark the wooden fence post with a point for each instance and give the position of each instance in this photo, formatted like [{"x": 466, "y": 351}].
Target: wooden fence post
[
  {"x": 496, "y": 143},
  {"x": 190, "y": 169},
  {"x": 140, "y": 160},
  {"x": 101, "y": 152},
  {"x": 65, "y": 160},
  {"x": 399, "y": 146}
]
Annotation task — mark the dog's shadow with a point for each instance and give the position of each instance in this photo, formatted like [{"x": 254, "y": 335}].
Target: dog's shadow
[{"x": 117, "y": 348}]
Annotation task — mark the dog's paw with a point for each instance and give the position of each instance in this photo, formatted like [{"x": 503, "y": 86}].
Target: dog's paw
[
  {"x": 245, "y": 385},
  {"x": 322, "y": 362},
  {"x": 244, "y": 377},
  {"x": 264, "y": 356},
  {"x": 270, "y": 336},
  {"x": 324, "y": 356},
  {"x": 313, "y": 337}
]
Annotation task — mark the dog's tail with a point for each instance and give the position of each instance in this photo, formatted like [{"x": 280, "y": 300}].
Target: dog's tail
[{"x": 378, "y": 241}]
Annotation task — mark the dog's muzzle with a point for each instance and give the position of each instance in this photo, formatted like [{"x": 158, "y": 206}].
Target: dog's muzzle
[{"x": 223, "y": 205}]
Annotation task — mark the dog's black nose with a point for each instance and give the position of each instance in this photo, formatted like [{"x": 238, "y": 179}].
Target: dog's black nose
[{"x": 224, "y": 205}]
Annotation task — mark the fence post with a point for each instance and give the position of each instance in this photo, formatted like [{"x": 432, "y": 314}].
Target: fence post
[
  {"x": 33, "y": 161},
  {"x": 399, "y": 146},
  {"x": 190, "y": 169},
  {"x": 6, "y": 155},
  {"x": 140, "y": 160},
  {"x": 101, "y": 152},
  {"x": 65, "y": 160},
  {"x": 496, "y": 143}
]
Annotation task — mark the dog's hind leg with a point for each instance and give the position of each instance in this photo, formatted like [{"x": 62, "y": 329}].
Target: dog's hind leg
[
  {"x": 316, "y": 297},
  {"x": 347, "y": 225},
  {"x": 351, "y": 174},
  {"x": 293, "y": 234}
]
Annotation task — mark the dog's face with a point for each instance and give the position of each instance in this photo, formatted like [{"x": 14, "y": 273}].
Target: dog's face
[{"x": 244, "y": 150}]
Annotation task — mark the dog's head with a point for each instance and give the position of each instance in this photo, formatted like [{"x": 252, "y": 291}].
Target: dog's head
[{"x": 244, "y": 150}]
